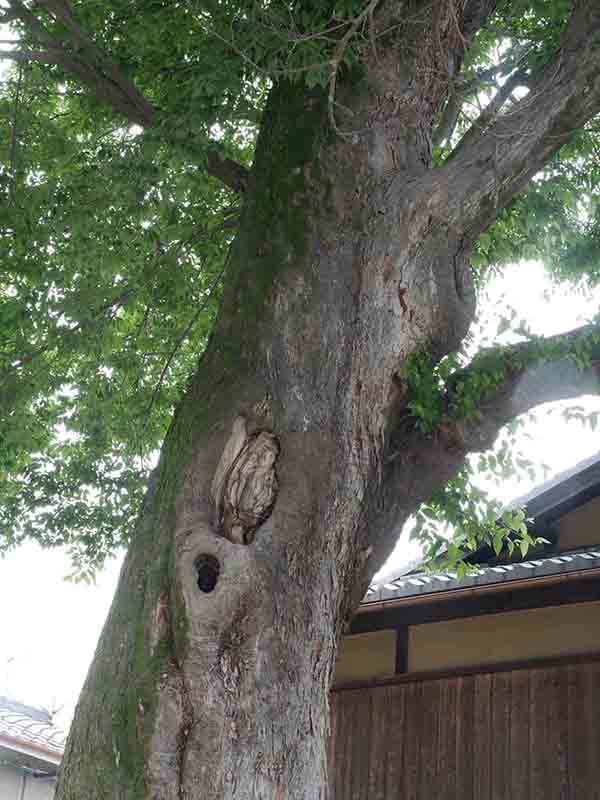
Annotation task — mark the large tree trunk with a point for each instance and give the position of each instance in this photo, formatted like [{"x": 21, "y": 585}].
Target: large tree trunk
[
  {"x": 277, "y": 495},
  {"x": 337, "y": 274}
]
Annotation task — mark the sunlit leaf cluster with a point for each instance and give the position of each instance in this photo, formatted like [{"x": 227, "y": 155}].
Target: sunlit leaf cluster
[{"x": 112, "y": 251}]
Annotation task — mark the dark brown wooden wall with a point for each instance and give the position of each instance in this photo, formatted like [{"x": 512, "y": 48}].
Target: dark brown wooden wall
[{"x": 525, "y": 734}]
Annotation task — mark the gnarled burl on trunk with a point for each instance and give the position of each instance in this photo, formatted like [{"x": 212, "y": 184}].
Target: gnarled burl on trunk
[{"x": 245, "y": 484}]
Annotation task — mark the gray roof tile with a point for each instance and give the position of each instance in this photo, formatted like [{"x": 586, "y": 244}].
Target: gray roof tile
[
  {"x": 417, "y": 584},
  {"x": 30, "y": 726}
]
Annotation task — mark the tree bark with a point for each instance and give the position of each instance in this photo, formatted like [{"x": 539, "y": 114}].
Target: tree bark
[
  {"x": 223, "y": 693},
  {"x": 285, "y": 476}
]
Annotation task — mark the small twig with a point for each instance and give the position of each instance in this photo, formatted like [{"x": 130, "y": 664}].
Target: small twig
[
  {"x": 180, "y": 340},
  {"x": 271, "y": 73},
  {"x": 14, "y": 135},
  {"x": 112, "y": 305},
  {"x": 31, "y": 55}
]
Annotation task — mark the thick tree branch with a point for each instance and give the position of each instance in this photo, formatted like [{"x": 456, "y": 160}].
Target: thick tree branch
[
  {"x": 526, "y": 375},
  {"x": 503, "y": 382},
  {"x": 502, "y": 157},
  {"x": 82, "y": 58},
  {"x": 229, "y": 172},
  {"x": 94, "y": 56},
  {"x": 534, "y": 372},
  {"x": 491, "y": 111},
  {"x": 475, "y": 15}
]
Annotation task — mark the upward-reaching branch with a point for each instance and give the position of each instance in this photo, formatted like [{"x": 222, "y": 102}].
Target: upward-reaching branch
[
  {"x": 501, "y": 158},
  {"x": 487, "y": 116},
  {"x": 463, "y": 88},
  {"x": 78, "y": 55}
]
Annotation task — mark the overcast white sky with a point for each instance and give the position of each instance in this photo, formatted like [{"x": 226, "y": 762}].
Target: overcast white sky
[{"x": 49, "y": 628}]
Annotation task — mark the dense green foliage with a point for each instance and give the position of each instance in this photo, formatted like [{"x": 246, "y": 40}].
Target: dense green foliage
[
  {"x": 113, "y": 240},
  {"x": 112, "y": 250}
]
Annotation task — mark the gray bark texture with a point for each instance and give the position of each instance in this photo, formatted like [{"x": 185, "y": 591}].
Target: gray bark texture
[{"x": 289, "y": 469}]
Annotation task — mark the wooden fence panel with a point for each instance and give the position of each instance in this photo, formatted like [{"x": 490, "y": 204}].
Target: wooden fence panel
[
  {"x": 520, "y": 719},
  {"x": 525, "y": 734}
]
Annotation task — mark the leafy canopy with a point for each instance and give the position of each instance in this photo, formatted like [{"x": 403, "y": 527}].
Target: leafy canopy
[{"x": 113, "y": 238}]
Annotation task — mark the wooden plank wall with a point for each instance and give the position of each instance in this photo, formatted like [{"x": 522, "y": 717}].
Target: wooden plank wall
[{"x": 525, "y": 734}]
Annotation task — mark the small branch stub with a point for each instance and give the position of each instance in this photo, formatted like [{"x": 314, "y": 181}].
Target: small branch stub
[{"x": 245, "y": 484}]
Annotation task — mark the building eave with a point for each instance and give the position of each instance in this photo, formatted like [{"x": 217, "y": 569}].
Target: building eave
[{"x": 51, "y": 758}]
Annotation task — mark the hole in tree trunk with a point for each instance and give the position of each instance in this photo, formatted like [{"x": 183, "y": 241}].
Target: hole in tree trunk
[{"x": 207, "y": 568}]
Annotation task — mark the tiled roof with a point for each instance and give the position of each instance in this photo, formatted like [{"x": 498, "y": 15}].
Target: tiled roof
[
  {"x": 552, "y": 498},
  {"x": 422, "y": 583},
  {"x": 30, "y": 727},
  {"x": 554, "y": 492}
]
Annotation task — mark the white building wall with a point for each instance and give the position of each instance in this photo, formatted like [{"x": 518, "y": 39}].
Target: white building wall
[
  {"x": 39, "y": 788},
  {"x": 11, "y": 786},
  {"x": 10, "y": 783}
]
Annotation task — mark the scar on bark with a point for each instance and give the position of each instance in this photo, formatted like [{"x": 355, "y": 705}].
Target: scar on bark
[
  {"x": 402, "y": 297},
  {"x": 174, "y": 716},
  {"x": 161, "y": 622},
  {"x": 244, "y": 487}
]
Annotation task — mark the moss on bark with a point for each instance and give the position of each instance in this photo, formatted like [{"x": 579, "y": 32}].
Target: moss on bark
[{"x": 124, "y": 684}]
